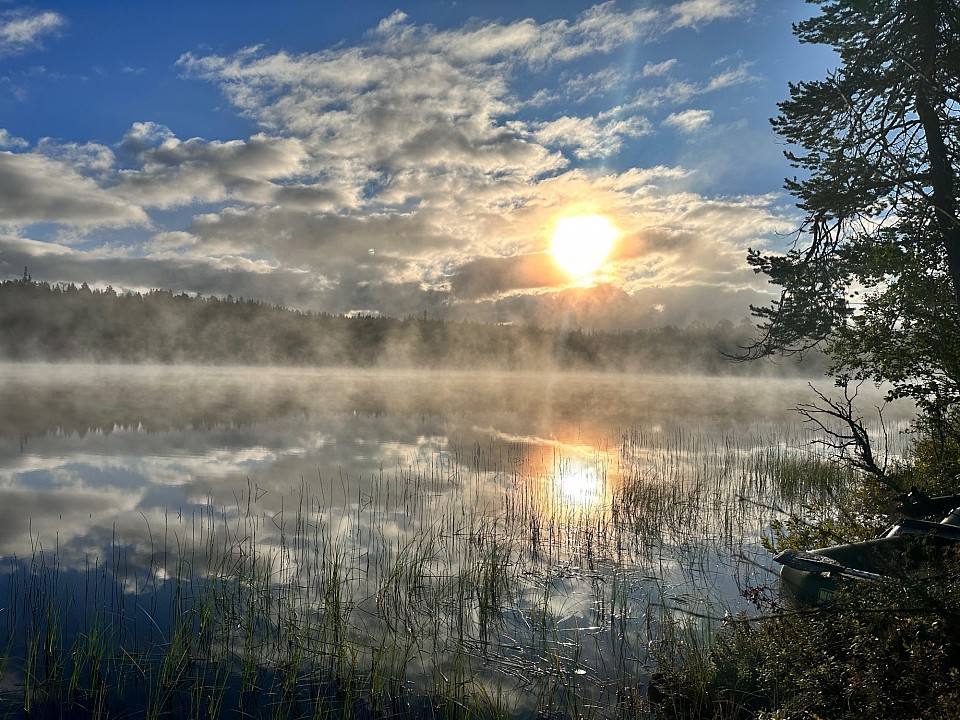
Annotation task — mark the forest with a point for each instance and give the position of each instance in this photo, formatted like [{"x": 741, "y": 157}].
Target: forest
[{"x": 40, "y": 321}]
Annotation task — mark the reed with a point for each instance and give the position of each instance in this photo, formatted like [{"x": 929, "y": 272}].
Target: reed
[{"x": 479, "y": 583}]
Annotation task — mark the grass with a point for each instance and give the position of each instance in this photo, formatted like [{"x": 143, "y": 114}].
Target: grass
[{"x": 482, "y": 583}]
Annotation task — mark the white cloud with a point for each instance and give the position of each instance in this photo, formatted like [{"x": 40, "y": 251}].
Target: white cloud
[
  {"x": 682, "y": 91},
  {"x": 144, "y": 135},
  {"x": 87, "y": 158},
  {"x": 21, "y": 30},
  {"x": 689, "y": 121},
  {"x": 175, "y": 172},
  {"x": 11, "y": 141},
  {"x": 591, "y": 137},
  {"x": 416, "y": 140},
  {"x": 692, "y": 13},
  {"x": 600, "y": 29},
  {"x": 734, "y": 76},
  {"x": 660, "y": 68},
  {"x": 582, "y": 87},
  {"x": 382, "y": 170},
  {"x": 417, "y": 111},
  {"x": 174, "y": 241}
]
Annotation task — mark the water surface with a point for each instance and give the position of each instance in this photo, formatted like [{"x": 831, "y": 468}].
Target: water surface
[{"x": 534, "y": 524}]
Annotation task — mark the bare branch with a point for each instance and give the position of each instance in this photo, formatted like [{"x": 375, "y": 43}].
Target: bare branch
[{"x": 844, "y": 433}]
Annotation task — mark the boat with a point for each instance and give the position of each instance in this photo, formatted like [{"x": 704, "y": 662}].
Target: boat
[{"x": 909, "y": 550}]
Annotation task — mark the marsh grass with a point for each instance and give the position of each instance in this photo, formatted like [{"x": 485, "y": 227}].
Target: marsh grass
[{"x": 481, "y": 583}]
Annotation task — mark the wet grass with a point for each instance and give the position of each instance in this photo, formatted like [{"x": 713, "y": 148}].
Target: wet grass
[{"x": 480, "y": 583}]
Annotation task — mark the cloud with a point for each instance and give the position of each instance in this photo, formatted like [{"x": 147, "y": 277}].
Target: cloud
[
  {"x": 591, "y": 137},
  {"x": 693, "y": 13},
  {"x": 678, "y": 92},
  {"x": 383, "y": 130},
  {"x": 21, "y": 30},
  {"x": 326, "y": 243},
  {"x": 36, "y": 189},
  {"x": 689, "y": 121},
  {"x": 216, "y": 276},
  {"x": 11, "y": 141},
  {"x": 415, "y": 114},
  {"x": 419, "y": 101},
  {"x": 91, "y": 159},
  {"x": 144, "y": 135},
  {"x": 417, "y": 169},
  {"x": 494, "y": 276},
  {"x": 734, "y": 76},
  {"x": 582, "y": 87},
  {"x": 611, "y": 308},
  {"x": 174, "y": 172},
  {"x": 660, "y": 68}
]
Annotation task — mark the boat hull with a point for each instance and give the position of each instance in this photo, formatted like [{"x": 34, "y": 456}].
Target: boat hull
[{"x": 909, "y": 551}]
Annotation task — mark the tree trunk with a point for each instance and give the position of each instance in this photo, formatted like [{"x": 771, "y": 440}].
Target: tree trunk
[{"x": 938, "y": 155}]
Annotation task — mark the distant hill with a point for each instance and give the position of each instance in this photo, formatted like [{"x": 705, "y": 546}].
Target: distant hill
[{"x": 43, "y": 322}]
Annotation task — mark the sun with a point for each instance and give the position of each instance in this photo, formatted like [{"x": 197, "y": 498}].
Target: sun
[{"x": 581, "y": 243}]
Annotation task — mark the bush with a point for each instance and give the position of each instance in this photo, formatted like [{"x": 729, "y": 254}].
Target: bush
[{"x": 884, "y": 650}]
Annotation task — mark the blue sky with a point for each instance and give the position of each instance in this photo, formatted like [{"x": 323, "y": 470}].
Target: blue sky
[{"x": 401, "y": 158}]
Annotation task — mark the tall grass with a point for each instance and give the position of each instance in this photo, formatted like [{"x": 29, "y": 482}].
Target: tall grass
[{"x": 483, "y": 582}]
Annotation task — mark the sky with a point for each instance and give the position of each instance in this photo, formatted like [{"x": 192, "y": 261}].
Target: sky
[{"x": 407, "y": 159}]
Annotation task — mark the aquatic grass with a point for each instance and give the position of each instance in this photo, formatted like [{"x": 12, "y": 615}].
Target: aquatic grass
[{"x": 480, "y": 582}]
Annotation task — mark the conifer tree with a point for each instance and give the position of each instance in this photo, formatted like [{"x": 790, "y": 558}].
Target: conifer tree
[{"x": 874, "y": 273}]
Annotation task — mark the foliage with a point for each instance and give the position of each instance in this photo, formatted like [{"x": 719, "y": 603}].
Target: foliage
[
  {"x": 39, "y": 321},
  {"x": 886, "y": 650},
  {"x": 876, "y": 280},
  {"x": 836, "y": 506},
  {"x": 873, "y": 280},
  {"x": 907, "y": 331},
  {"x": 883, "y": 650}
]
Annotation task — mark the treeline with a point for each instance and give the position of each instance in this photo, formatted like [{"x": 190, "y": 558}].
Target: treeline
[{"x": 64, "y": 322}]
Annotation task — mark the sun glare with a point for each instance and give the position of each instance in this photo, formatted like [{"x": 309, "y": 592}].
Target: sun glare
[
  {"x": 577, "y": 486},
  {"x": 581, "y": 243}
]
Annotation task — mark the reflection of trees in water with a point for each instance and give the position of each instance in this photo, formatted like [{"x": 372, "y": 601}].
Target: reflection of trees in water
[
  {"x": 41, "y": 399},
  {"x": 36, "y": 400},
  {"x": 159, "y": 403}
]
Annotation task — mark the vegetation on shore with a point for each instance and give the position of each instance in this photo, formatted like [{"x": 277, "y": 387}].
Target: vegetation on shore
[
  {"x": 874, "y": 280},
  {"x": 884, "y": 650},
  {"x": 39, "y": 321}
]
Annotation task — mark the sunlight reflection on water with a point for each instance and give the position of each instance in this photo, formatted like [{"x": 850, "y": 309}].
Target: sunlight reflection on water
[
  {"x": 515, "y": 516},
  {"x": 579, "y": 485}
]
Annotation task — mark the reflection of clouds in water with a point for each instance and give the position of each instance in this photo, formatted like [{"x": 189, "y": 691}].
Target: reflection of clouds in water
[
  {"x": 178, "y": 439},
  {"x": 84, "y": 471},
  {"x": 67, "y": 517},
  {"x": 563, "y": 446},
  {"x": 428, "y": 494}
]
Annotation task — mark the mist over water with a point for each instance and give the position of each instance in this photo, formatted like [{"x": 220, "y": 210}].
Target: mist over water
[
  {"x": 556, "y": 470},
  {"x": 85, "y": 448}
]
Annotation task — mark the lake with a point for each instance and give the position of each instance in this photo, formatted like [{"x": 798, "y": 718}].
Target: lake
[{"x": 511, "y": 539}]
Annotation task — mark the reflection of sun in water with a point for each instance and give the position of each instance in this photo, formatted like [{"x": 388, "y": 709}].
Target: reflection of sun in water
[
  {"x": 577, "y": 484},
  {"x": 581, "y": 243}
]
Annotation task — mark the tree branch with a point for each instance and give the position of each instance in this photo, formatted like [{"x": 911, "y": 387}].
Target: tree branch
[{"x": 844, "y": 433}]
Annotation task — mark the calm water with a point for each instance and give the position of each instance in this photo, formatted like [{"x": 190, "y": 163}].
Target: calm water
[
  {"x": 87, "y": 451},
  {"x": 609, "y": 496}
]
